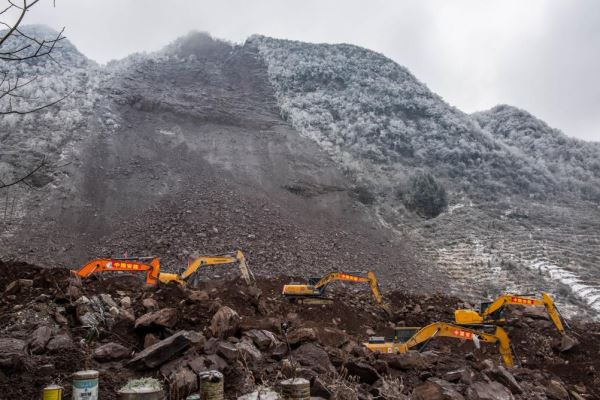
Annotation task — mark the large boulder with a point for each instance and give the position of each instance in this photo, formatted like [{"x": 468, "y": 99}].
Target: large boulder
[
  {"x": 314, "y": 357},
  {"x": 267, "y": 323},
  {"x": 39, "y": 339},
  {"x": 163, "y": 351},
  {"x": 407, "y": 361},
  {"x": 228, "y": 351},
  {"x": 16, "y": 286},
  {"x": 436, "y": 389},
  {"x": 165, "y": 318},
  {"x": 224, "y": 323},
  {"x": 181, "y": 378},
  {"x": 446, "y": 390},
  {"x": 182, "y": 383},
  {"x": 333, "y": 337},
  {"x": 150, "y": 339},
  {"x": 363, "y": 371},
  {"x": 337, "y": 356},
  {"x": 302, "y": 335},
  {"x": 150, "y": 304},
  {"x": 500, "y": 374},
  {"x": 263, "y": 339},
  {"x": 250, "y": 353},
  {"x": 111, "y": 352},
  {"x": 108, "y": 301},
  {"x": 58, "y": 343},
  {"x": 210, "y": 346},
  {"x": 488, "y": 391},
  {"x": 12, "y": 352},
  {"x": 539, "y": 313},
  {"x": 387, "y": 389},
  {"x": 556, "y": 391},
  {"x": 197, "y": 295}
]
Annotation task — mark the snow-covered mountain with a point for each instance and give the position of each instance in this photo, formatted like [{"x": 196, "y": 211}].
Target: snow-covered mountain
[
  {"x": 327, "y": 135},
  {"x": 379, "y": 121}
]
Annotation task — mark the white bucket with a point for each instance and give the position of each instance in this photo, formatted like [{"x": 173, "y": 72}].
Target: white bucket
[{"x": 85, "y": 385}]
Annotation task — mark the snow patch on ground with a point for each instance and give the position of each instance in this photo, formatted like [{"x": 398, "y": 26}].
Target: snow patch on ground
[
  {"x": 587, "y": 293},
  {"x": 455, "y": 207}
]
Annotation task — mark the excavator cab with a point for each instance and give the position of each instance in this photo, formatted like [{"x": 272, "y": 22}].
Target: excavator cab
[
  {"x": 403, "y": 334},
  {"x": 313, "y": 280},
  {"x": 497, "y": 315}
]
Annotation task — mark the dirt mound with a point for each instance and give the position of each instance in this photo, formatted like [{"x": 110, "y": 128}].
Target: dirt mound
[{"x": 53, "y": 325}]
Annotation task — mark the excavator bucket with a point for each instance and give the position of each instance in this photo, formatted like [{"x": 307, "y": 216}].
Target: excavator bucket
[{"x": 567, "y": 343}]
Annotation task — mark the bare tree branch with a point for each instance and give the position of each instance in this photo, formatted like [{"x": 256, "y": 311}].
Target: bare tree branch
[
  {"x": 32, "y": 48},
  {"x": 23, "y": 178},
  {"x": 36, "y": 109},
  {"x": 38, "y": 48},
  {"x": 29, "y": 47}
]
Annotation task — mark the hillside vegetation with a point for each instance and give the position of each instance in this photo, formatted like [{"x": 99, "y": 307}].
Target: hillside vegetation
[
  {"x": 574, "y": 163},
  {"x": 376, "y": 118}
]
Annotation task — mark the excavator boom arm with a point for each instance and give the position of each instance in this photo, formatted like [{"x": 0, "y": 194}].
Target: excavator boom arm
[
  {"x": 129, "y": 265},
  {"x": 553, "y": 312},
  {"x": 375, "y": 287},
  {"x": 219, "y": 260},
  {"x": 339, "y": 276},
  {"x": 202, "y": 261},
  {"x": 545, "y": 301}
]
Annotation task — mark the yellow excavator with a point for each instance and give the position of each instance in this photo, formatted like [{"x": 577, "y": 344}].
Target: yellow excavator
[
  {"x": 194, "y": 265},
  {"x": 417, "y": 338},
  {"x": 492, "y": 312},
  {"x": 314, "y": 291}
]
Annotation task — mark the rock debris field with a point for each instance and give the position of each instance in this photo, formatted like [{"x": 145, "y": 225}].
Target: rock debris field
[{"x": 52, "y": 324}]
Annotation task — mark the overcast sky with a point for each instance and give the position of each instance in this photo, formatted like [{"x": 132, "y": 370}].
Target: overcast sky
[{"x": 540, "y": 55}]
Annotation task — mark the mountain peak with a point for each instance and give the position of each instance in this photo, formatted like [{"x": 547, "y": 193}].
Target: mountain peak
[
  {"x": 64, "y": 52},
  {"x": 198, "y": 44}
]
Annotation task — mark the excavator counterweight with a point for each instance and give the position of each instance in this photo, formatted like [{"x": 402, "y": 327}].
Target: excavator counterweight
[
  {"x": 493, "y": 313},
  {"x": 406, "y": 339}
]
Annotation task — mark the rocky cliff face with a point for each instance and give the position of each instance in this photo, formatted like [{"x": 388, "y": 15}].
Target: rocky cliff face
[{"x": 297, "y": 153}]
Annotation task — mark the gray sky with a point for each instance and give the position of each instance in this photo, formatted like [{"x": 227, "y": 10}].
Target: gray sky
[{"x": 540, "y": 55}]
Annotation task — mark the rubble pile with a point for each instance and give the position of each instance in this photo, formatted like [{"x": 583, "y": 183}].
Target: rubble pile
[{"x": 52, "y": 324}]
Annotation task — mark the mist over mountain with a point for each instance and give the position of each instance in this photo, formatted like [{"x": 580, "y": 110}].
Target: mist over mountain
[{"x": 328, "y": 136}]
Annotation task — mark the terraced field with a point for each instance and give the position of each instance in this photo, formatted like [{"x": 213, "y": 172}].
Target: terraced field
[{"x": 487, "y": 249}]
